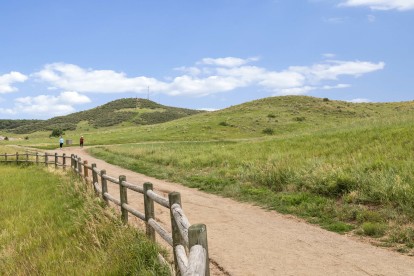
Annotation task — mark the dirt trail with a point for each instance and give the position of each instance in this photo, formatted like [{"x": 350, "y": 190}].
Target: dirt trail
[{"x": 247, "y": 240}]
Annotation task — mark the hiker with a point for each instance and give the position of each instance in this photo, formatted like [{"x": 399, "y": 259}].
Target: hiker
[
  {"x": 61, "y": 140},
  {"x": 81, "y": 142}
]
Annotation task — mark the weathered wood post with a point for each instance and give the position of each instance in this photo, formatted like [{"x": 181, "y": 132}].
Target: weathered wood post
[
  {"x": 175, "y": 198},
  {"x": 124, "y": 199},
  {"x": 149, "y": 211},
  {"x": 17, "y": 157},
  {"x": 72, "y": 161},
  {"x": 56, "y": 160},
  {"x": 5, "y": 156},
  {"x": 27, "y": 157},
  {"x": 37, "y": 157},
  {"x": 94, "y": 176},
  {"x": 79, "y": 166},
  {"x": 104, "y": 187},
  {"x": 46, "y": 159},
  {"x": 197, "y": 234},
  {"x": 85, "y": 169},
  {"x": 64, "y": 160}
]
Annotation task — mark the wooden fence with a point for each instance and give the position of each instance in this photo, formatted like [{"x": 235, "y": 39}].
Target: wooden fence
[{"x": 189, "y": 242}]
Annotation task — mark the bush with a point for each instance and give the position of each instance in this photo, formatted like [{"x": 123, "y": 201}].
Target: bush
[
  {"x": 223, "y": 124},
  {"x": 374, "y": 229},
  {"x": 271, "y": 116},
  {"x": 325, "y": 99},
  {"x": 299, "y": 119},
  {"x": 56, "y": 133},
  {"x": 6, "y": 138},
  {"x": 268, "y": 131}
]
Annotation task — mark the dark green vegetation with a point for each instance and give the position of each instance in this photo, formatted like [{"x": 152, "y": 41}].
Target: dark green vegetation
[
  {"x": 51, "y": 226},
  {"x": 347, "y": 167},
  {"x": 132, "y": 111}
]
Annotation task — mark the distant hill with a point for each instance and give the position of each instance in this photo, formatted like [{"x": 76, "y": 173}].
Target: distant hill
[{"x": 131, "y": 110}]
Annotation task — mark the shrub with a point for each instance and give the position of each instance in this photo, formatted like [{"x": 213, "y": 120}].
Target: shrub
[
  {"x": 26, "y": 138},
  {"x": 223, "y": 124},
  {"x": 6, "y": 138},
  {"x": 271, "y": 116},
  {"x": 268, "y": 131},
  {"x": 374, "y": 229},
  {"x": 325, "y": 99},
  {"x": 56, "y": 133},
  {"x": 299, "y": 119}
]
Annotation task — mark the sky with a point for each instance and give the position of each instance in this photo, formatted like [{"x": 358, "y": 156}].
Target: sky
[{"x": 59, "y": 57}]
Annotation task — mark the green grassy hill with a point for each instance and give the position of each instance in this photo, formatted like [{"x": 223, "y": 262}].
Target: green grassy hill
[
  {"x": 132, "y": 111},
  {"x": 348, "y": 167}
]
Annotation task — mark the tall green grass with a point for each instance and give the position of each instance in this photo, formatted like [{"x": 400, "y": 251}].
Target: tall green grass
[
  {"x": 50, "y": 225},
  {"x": 344, "y": 178}
]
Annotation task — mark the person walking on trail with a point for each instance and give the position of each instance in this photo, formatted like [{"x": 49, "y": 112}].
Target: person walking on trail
[
  {"x": 81, "y": 142},
  {"x": 61, "y": 140}
]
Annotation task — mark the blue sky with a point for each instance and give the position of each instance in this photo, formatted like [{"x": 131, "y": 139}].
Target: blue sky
[{"x": 58, "y": 57}]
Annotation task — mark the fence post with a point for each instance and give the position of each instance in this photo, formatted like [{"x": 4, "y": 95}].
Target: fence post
[
  {"x": 37, "y": 157},
  {"x": 5, "y": 156},
  {"x": 197, "y": 234},
  {"x": 17, "y": 157},
  {"x": 64, "y": 160},
  {"x": 104, "y": 187},
  {"x": 56, "y": 160},
  {"x": 124, "y": 199},
  {"x": 79, "y": 166},
  {"x": 27, "y": 157},
  {"x": 149, "y": 211},
  {"x": 72, "y": 161},
  {"x": 45, "y": 158},
  {"x": 94, "y": 176},
  {"x": 85, "y": 169},
  {"x": 175, "y": 198}
]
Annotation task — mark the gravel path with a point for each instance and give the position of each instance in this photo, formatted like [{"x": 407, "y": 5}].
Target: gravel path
[{"x": 247, "y": 240}]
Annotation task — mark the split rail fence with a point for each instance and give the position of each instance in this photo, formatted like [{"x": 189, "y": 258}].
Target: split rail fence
[{"x": 189, "y": 242}]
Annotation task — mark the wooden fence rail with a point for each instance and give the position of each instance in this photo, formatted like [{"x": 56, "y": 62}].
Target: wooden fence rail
[{"x": 189, "y": 242}]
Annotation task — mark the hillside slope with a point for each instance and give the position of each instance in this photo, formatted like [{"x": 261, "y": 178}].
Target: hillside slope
[{"x": 131, "y": 110}]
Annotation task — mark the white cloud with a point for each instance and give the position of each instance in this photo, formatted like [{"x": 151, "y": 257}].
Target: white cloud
[
  {"x": 331, "y": 70},
  {"x": 360, "y": 100},
  {"x": 209, "y": 109},
  {"x": 47, "y": 105},
  {"x": 329, "y": 55},
  {"x": 7, "y": 80},
  {"x": 207, "y": 77},
  {"x": 227, "y": 61},
  {"x": 401, "y": 5},
  {"x": 73, "y": 77}
]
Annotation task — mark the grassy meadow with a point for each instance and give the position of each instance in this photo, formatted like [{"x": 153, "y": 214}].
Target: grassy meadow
[
  {"x": 51, "y": 226},
  {"x": 344, "y": 166}
]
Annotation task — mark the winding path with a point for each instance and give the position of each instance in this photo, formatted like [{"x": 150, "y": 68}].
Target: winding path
[{"x": 246, "y": 240}]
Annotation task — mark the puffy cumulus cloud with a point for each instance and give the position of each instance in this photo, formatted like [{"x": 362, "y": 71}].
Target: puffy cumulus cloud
[
  {"x": 227, "y": 61},
  {"x": 7, "y": 80},
  {"x": 360, "y": 100},
  {"x": 331, "y": 70},
  {"x": 401, "y": 5},
  {"x": 73, "y": 77},
  {"x": 47, "y": 105},
  {"x": 208, "y": 76}
]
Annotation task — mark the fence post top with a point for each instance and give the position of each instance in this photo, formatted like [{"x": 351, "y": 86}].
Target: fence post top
[
  {"x": 93, "y": 165},
  {"x": 56, "y": 153},
  {"x": 148, "y": 186},
  {"x": 122, "y": 178},
  {"x": 103, "y": 172}
]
